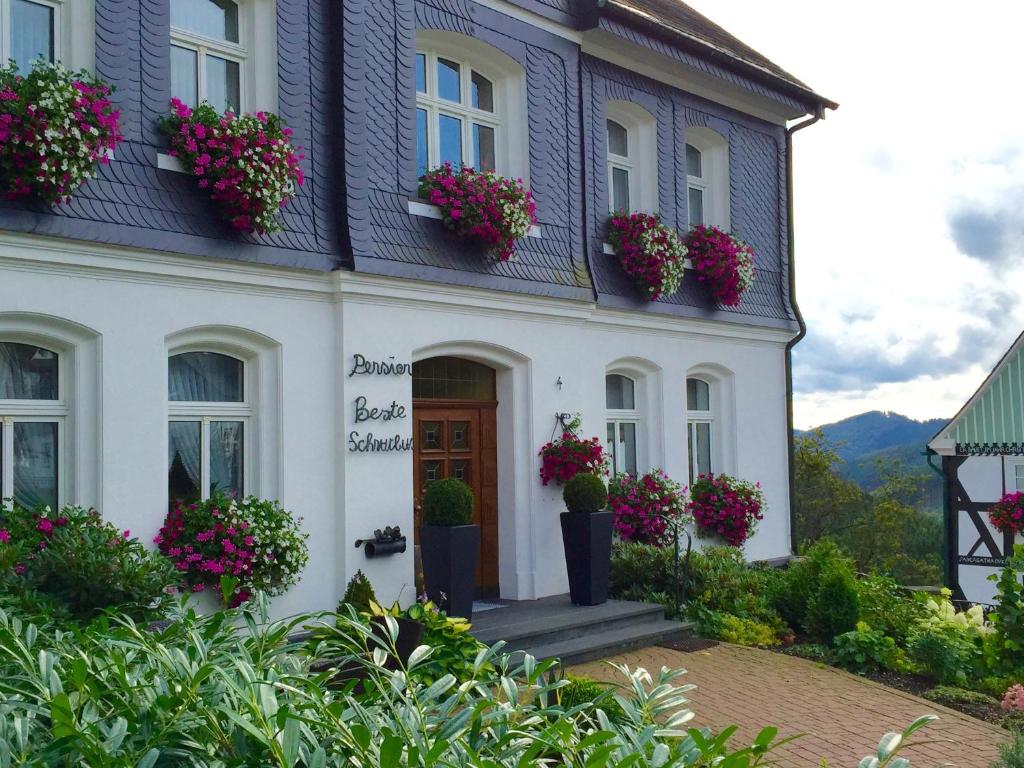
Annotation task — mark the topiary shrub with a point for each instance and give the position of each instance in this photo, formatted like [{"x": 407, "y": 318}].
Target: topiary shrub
[
  {"x": 359, "y": 594},
  {"x": 791, "y": 594},
  {"x": 834, "y": 609},
  {"x": 585, "y": 493},
  {"x": 448, "y": 502},
  {"x": 587, "y": 694}
]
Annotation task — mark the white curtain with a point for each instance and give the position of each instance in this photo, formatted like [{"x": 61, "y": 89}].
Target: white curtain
[
  {"x": 204, "y": 377},
  {"x": 27, "y": 372}
]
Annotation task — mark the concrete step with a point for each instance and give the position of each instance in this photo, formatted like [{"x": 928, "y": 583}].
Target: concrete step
[
  {"x": 549, "y": 621},
  {"x": 609, "y": 642}
]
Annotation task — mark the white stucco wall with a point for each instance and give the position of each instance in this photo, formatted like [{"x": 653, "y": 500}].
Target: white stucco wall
[{"x": 132, "y": 303}]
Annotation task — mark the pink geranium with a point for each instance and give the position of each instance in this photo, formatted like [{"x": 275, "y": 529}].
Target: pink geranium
[
  {"x": 1007, "y": 514},
  {"x": 1013, "y": 701},
  {"x": 569, "y": 455},
  {"x": 723, "y": 262},
  {"x": 650, "y": 252},
  {"x": 726, "y": 507},
  {"x": 645, "y": 507},
  {"x": 482, "y": 205}
]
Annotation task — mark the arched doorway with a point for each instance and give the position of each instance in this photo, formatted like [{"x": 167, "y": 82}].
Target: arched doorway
[{"x": 455, "y": 434}]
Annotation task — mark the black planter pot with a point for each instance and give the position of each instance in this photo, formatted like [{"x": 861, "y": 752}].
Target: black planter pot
[
  {"x": 587, "y": 539},
  {"x": 449, "y": 554},
  {"x": 410, "y": 633}
]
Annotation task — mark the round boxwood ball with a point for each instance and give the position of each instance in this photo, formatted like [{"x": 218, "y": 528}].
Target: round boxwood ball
[
  {"x": 585, "y": 492},
  {"x": 448, "y": 502}
]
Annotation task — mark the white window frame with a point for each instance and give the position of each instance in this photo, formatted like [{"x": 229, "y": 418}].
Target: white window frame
[
  {"x": 616, "y": 417},
  {"x": 6, "y": 25},
  {"x": 642, "y": 137},
  {"x": 207, "y": 412},
  {"x": 622, "y": 163},
  {"x": 74, "y": 24},
  {"x": 255, "y": 52},
  {"x": 1014, "y": 475},
  {"x": 714, "y": 179},
  {"x": 39, "y": 411},
  {"x": 508, "y": 119},
  {"x": 695, "y": 417}
]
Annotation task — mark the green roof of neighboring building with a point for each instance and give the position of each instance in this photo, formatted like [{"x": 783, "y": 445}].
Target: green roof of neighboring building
[{"x": 994, "y": 416}]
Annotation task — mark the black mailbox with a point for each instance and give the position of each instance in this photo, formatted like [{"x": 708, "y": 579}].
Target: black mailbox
[{"x": 389, "y": 541}]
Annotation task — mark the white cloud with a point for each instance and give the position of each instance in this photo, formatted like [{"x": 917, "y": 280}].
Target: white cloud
[{"x": 918, "y": 172}]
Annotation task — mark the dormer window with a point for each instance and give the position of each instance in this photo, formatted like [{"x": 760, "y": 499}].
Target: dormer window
[
  {"x": 632, "y": 159},
  {"x": 29, "y": 30},
  {"x": 470, "y": 106},
  {"x": 707, "y": 178},
  {"x": 207, "y": 54}
]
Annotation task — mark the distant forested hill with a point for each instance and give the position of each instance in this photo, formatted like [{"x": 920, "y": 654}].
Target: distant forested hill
[{"x": 862, "y": 440}]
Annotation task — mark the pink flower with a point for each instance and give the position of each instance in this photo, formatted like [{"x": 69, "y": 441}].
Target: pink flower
[{"x": 5, "y": 537}]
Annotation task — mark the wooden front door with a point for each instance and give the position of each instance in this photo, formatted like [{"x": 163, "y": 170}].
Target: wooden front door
[{"x": 459, "y": 439}]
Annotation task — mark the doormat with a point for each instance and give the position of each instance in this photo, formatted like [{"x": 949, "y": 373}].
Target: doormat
[
  {"x": 689, "y": 644},
  {"x": 479, "y": 607}
]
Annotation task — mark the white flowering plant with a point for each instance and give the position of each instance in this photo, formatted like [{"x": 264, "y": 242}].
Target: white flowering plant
[
  {"x": 246, "y": 162},
  {"x": 56, "y": 126},
  {"x": 942, "y": 614},
  {"x": 257, "y": 544}
]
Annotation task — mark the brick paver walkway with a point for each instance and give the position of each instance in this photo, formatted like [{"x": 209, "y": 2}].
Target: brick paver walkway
[{"x": 843, "y": 715}]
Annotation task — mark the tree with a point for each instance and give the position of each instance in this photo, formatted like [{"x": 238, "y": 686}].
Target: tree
[{"x": 825, "y": 503}]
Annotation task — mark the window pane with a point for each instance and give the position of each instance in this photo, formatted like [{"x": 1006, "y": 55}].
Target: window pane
[
  {"x": 27, "y": 372},
  {"x": 421, "y": 72},
  {"x": 693, "y": 161},
  {"x": 199, "y": 377},
  {"x": 696, "y": 207},
  {"x": 620, "y": 189},
  {"x": 448, "y": 82},
  {"x": 31, "y": 33},
  {"x": 217, "y": 19},
  {"x": 452, "y": 378},
  {"x": 422, "y": 143},
  {"x": 1020, "y": 477},
  {"x": 184, "y": 461},
  {"x": 184, "y": 75},
  {"x": 627, "y": 440},
  {"x": 618, "y": 139},
  {"x": 703, "y": 435},
  {"x": 35, "y": 464},
  {"x": 618, "y": 392},
  {"x": 451, "y": 140},
  {"x": 698, "y": 395},
  {"x": 222, "y": 84},
  {"x": 483, "y": 147},
  {"x": 226, "y": 456},
  {"x": 482, "y": 92}
]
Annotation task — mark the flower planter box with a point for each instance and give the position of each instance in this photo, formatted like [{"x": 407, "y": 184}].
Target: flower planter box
[
  {"x": 587, "y": 539},
  {"x": 449, "y": 554}
]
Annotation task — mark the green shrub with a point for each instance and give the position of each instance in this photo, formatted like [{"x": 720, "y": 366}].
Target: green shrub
[
  {"x": 864, "y": 650},
  {"x": 721, "y": 580},
  {"x": 448, "y": 502},
  {"x": 585, "y": 492},
  {"x": 953, "y": 696},
  {"x": 454, "y": 649},
  {"x": 1008, "y": 616},
  {"x": 740, "y": 631},
  {"x": 811, "y": 652},
  {"x": 791, "y": 594},
  {"x": 945, "y": 654},
  {"x": 589, "y": 694},
  {"x": 834, "y": 608},
  {"x": 76, "y": 561},
  {"x": 888, "y": 607},
  {"x": 359, "y": 593},
  {"x": 638, "y": 570},
  {"x": 1011, "y": 753}
]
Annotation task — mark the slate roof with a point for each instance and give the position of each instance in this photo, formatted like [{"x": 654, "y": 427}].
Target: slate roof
[{"x": 689, "y": 28}]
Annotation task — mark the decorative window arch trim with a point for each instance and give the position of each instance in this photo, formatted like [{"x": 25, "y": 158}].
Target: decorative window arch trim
[
  {"x": 722, "y": 415},
  {"x": 508, "y": 77},
  {"x": 262, "y": 399},
  {"x": 642, "y": 131},
  {"x": 714, "y": 182},
  {"x": 79, "y": 403}
]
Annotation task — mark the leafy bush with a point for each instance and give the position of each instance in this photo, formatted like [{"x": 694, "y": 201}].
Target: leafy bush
[
  {"x": 585, "y": 493},
  {"x": 888, "y": 607},
  {"x": 584, "y": 693},
  {"x": 76, "y": 562},
  {"x": 448, "y": 502},
  {"x": 864, "y": 650},
  {"x": 1011, "y": 753},
  {"x": 255, "y": 542},
  {"x": 812, "y": 652},
  {"x": 735, "y": 629},
  {"x": 952, "y": 696},
  {"x": 359, "y": 593},
  {"x": 945, "y": 654},
  {"x": 1008, "y": 616},
  {"x": 834, "y": 608},
  {"x": 791, "y": 594},
  {"x": 638, "y": 570},
  {"x": 721, "y": 580}
]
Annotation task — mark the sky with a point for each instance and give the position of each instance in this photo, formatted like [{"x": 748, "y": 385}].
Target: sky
[{"x": 909, "y": 198}]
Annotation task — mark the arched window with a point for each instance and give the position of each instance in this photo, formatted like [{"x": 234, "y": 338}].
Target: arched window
[
  {"x": 469, "y": 106},
  {"x": 210, "y": 409},
  {"x": 700, "y": 421},
  {"x": 32, "y": 414},
  {"x": 707, "y": 178},
  {"x": 623, "y": 422},
  {"x": 224, "y": 52},
  {"x": 632, "y": 158}
]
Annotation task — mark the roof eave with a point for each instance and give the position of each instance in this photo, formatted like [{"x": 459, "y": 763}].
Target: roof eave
[{"x": 815, "y": 102}]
